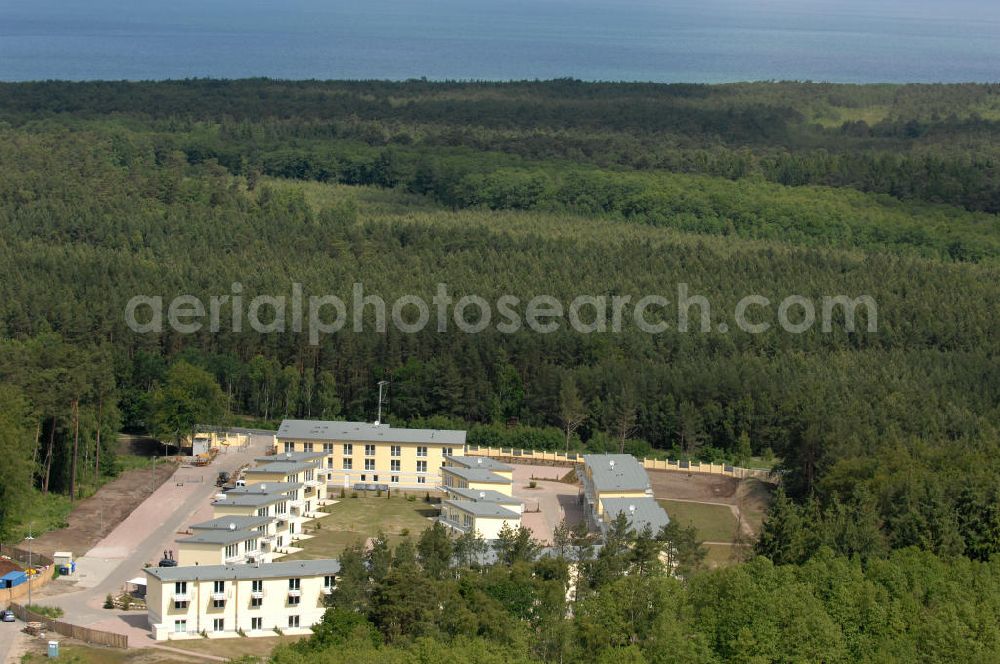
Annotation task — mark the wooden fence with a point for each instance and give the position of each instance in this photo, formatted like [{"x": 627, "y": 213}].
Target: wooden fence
[
  {"x": 515, "y": 455},
  {"x": 86, "y": 634}
]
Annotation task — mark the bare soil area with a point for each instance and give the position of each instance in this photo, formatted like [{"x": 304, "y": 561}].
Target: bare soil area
[{"x": 96, "y": 516}]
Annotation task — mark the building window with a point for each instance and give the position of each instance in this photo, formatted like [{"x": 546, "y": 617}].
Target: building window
[
  {"x": 179, "y": 606},
  {"x": 293, "y": 621},
  {"x": 294, "y": 584},
  {"x": 232, "y": 550},
  {"x": 394, "y": 465},
  {"x": 329, "y": 581},
  {"x": 374, "y": 478},
  {"x": 309, "y": 476},
  {"x": 289, "y": 447},
  {"x": 218, "y": 603},
  {"x": 281, "y": 508},
  {"x": 364, "y": 478},
  {"x": 293, "y": 600},
  {"x": 348, "y": 463},
  {"x": 256, "y": 602},
  {"x": 262, "y": 511},
  {"x": 307, "y": 447},
  {"x": 394, "y": 479},
  {"x": 180, "y": 587},
  {"x": 448, "y": 451},
  {"x": 421, "y": 466},
  {"x": 348, "y": 449},
  {"x": 180, "y": 626},
  {"x": 328, "y": 448},
  {"x": 219, "y": 587},
  {"x": 218, "y": 625},
  {"x": 250, "y": 545},
  {"x": 421, "y": 451},
  {"x": 396, "y": 451},
  {"x": 369, "y": 464},
  {"x": 369, "y": 450},
  {"x": 256, "y": 624},
  {"x": 421, "y": 480},
  {"x": 329, "y": 462}
]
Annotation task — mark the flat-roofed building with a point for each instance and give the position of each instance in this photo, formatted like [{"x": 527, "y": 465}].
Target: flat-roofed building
[
  {"x": 231, "y": 539},
  {"x": 486, "y": 496},
  {"x": 477, "y": 479},
  {"x": 641, "y": 513},
  {"x": 481, "y": 463},
  {"x": 483, "y": 517},
  {"x": 611, "y": 476},
  {"x": 272, "y": 504},
  {"x": 221, "y": 547},
  {"x": 227, "y": 600},
  {"x": 310, "y": 492},
  {"x": 363, "y": 452}
]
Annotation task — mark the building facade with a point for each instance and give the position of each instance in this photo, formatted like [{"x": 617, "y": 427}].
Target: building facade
[
  {"x": 619, "y": 483},
  {"x": 366, "y": 453},
  {"x": 230, "y": 600}
]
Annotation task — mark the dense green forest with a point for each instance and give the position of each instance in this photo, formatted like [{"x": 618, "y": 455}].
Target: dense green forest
[
  {"x": 430, "y": 601},
  {"x": 887, "y": 439}
]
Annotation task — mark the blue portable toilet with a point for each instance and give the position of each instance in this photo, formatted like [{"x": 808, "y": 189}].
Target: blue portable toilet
[{"x": 53, "y": 649}]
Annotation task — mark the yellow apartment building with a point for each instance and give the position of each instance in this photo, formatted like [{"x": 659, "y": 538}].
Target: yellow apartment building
[
  {"x": 232, "y": 540},
  {"x": 483, "y": 463},
  {"x": 607, "y": 476},
  {"x": 486, "y": 496},
  {"x": 227, "y": 600},
  {"x": 477, "y": 479},
  {"x": 367, "y": 453},
  {"x": 483, "y": 517}
]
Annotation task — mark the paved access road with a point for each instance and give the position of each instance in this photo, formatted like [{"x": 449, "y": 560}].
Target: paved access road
[{"x": 141, "y": 538}]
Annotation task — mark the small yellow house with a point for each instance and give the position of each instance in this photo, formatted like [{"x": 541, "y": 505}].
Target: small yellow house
[
  {"x": 482, "y": 463},
  {"x": 612, "y": 476},
  {"x": 484, "y": 518},
  {"x": 477, "y": 479}
]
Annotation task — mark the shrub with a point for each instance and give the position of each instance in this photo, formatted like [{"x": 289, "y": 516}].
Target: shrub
[
  {"x": 109, "y": 602},
  {"x": 532, "y": 484}
]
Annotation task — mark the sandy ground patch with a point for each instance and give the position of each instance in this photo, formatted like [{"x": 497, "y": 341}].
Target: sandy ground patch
[{"x": 549, "y": 502}]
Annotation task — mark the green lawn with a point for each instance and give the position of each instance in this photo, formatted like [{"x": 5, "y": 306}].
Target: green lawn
[
  {"x": 258, "y": 646},
  {"x": 715, "y": 523},
  {"x": 356, "y": 519}
]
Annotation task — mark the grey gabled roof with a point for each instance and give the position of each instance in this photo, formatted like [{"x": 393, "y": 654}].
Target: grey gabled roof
[
  {"x": 616, "y": 472},
  {"x": 482, "y": 509},
  {"x": 297, "y": 568},
  {"x": 259, "y": 488},
  {"x": 640, "y": 512},
  {"x": 365, "y": 432},
  {"x": 482, "y": 495},
  {"x": 233, "y": 523},
  {"x": 291, "y": 456},
  {"x": 285, "y": 467},
  {"x": 475, "y": 474},
  {"x": 479, "y": 462},
  {"x": 220, "y": 537}
]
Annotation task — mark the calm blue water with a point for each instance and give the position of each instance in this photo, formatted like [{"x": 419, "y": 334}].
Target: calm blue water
[{"x": 654, "y": 40}]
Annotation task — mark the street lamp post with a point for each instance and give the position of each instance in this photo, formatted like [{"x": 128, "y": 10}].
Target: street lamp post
[{"x": 29, "y": 539}]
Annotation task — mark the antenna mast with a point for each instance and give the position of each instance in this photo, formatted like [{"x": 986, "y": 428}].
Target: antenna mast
[{"x": 382, "y": 384}]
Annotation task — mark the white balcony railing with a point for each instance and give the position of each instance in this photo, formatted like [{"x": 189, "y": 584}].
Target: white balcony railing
[
  {"x": 218, "y": 596},
  {"x": 257, "y": 594},
  {"x": 182, "y": 597},
  {"x": 294, "y": 592}
]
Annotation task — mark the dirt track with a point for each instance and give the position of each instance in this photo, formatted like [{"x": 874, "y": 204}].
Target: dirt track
[{"x": 96, "y": 516}]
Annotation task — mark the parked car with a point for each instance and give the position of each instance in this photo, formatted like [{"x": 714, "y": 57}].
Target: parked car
[{"x": 7, "y": 616}]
